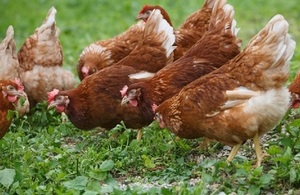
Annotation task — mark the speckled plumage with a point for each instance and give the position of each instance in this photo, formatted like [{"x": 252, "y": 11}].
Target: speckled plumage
[
  {"x": 41, "y": 61},
  {"x": 193, "y": 28},
  {"x": 96, "y": 101},
  {"x": 218, "y": 45},
  {"x": 7, "y": 103},
  {"x": 9, "y": 63},
  {"x": 295, "y": 90},
  {"x": 9, "y": 66},
  {"x": 243, "y": 99},
  {"x": 114, "y": 49}
]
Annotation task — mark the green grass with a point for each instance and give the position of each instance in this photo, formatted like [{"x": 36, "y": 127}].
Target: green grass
[{"x": 41, "y": 155}]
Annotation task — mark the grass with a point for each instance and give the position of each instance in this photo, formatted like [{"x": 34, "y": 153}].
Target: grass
[{"x": 42, "y": 155}]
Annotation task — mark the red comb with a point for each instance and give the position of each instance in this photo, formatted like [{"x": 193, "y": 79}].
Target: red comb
[
  {"x": 84, "y": 70},
  {"x": 52, "y": 94},
  {"x": 18, "y": 82},
  {"x": 154, "y": 106},
  {"x": 124, "y": 90},
  {"x": 144, "y": 9}
]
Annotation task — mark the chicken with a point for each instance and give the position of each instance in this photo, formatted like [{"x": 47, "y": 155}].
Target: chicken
[
  {"x": 96, "y": 100},
  {"x": 190, "y": 31},
  {"x": 294, "y": 88},
  {"x": 9, "y": 65},
  {"x": 243, "y": 99},
  {"x": 41, "y": 60},
  {"x": 104, "y": 53},
  {"x": 10, "y": 91},
  {"x": 218, "y": 45}
]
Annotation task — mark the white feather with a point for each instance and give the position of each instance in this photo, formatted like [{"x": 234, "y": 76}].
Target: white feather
[
  {"x": 49, "y": 21},
  {"x": 276, "y": 48},
  {"x": 161, "y": 25},
  {"x": 141, "y": 75},
  {"x": 8, "y": 56},
  {"x": 51, "y": 17}
]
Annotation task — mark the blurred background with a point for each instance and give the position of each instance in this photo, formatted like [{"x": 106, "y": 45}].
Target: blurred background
[{"x": 83, "y": 22}]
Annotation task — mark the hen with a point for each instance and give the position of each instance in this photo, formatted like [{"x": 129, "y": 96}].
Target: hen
[
  {"x": 190, "y": 31},
  {"x": 104, "y": 53},
  {"x": 294, "y": 88},
  {"x": 41, "y": 60},
  {"x": 10, "y": 91},
  {"x": 242, "y": 100},
  {"x": 9, "y": 65},
  {"x": 96, "y": 100},
  {"x": 218, "y": 45}
]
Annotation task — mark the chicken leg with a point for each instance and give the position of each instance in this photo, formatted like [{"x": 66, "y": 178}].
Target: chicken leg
[
  {"x": 205, "y": 144},
  {"x": 233, "y": 152},
  {"x": 258, "y": 151},
  {"x": 139, "y": 134}
]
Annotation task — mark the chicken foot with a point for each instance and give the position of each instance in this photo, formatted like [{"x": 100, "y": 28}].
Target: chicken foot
[{"x": 259, "y": 154}]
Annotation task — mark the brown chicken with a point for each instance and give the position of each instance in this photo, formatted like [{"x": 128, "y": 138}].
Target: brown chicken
[
  {"x": 190, "y": 31},
  {"x": 294, "y": 88},
  {"x": 10, "y": 91},
  {"x": 242, "y": 100},
  {"x": 96, "y": 102},
  {"x": 218, "y": 45},
  {"x": 9, "y": 65},
  {"x": 41, "y": 61},
  {"x": 104, "y": 53}
]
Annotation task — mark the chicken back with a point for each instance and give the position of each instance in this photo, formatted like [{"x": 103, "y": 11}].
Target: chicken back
[
  {"x": 218, "y": 45},
  {"x": 243, "y": 99},
  {"x": 96, "y": 102},
  {"x": 193, "y": 28}
]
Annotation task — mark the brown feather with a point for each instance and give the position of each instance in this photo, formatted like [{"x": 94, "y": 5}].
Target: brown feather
[
  {"x": 115, "y": 49},
  {"x": 41, "y": 61},
  {"x": 193, "y": 28},
  {"x": 5, "y": 106},
  {"x": 96, "y": 102},
  {"x": 217, "y": 46},
  {"x": 202, "y": 108},
  {"x": 294, "y": 88}
]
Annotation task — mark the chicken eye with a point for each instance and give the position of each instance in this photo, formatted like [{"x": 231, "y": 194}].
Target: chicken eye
[
  {"x": 59, "y": 98},
  {"x": 131, "y": 92},
  {"x": 10, "y": 88},
  {"x": 157, "y": 116}
]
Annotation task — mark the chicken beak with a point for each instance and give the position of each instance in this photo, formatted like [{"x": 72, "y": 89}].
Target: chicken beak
[
  {"x": 51, "y": 105},
  {"x": 125, "y": 101},
  {"x": 17, "y": 93},
  {"x": 141, "y": 17},
  {"x": 22, "y": 94},
  {"x": 295, "y": 101}
]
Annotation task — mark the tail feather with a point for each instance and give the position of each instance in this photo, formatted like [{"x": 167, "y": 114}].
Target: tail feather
[
  {"x": 48, "y": 28},
  {"x": 217, "y": 13},
  {"x": 275, "y": 48},
  {"x": 43, "y": 47},
  {"x": 209, "y": 3},
  {"x": 222, "y": 19},
  {"x": 9, "y": 34},
  {"x": 8, "y": 40},
  {"x": 50, "y": 19},
  {"x": 8, "y": 56},
  {"x": 160, "y": 26}
]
